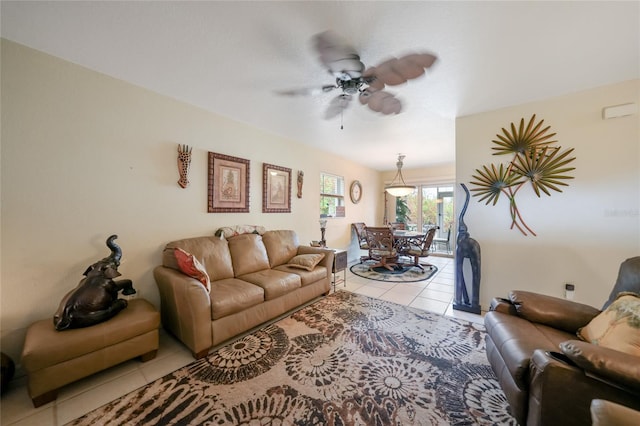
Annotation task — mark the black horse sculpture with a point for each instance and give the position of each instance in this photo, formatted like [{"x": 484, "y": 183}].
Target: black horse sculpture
[
  {"x": 95, "y": 299},
  {"x": 467, "y": 248}
]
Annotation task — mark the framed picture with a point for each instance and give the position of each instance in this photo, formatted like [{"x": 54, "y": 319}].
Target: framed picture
[
  {"x": 228, "y": 190},
  {"x": 276, "y": 189}
]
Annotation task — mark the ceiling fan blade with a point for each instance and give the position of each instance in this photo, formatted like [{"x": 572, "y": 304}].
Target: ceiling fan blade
[
  {"x": 425, "y": 60},
  {"x": 337, "y": 105},
  {"x": 383, "y": 102},
  {"x": 386, "y": 74},
  {"x": 397, "y": 71},
  {"x": 337, "y": 56},
  {"x": 307, "y": 91},
  {"x": 392, "y": 105}
]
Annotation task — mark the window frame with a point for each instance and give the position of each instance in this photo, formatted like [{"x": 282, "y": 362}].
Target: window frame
[{"x": 335, "y": 196}]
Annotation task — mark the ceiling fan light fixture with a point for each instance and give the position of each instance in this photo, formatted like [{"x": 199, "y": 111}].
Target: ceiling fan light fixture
[{"x": 398, "y": 187}]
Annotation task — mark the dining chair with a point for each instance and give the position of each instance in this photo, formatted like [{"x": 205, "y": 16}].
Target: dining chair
[
  {"x": 398, "y": 226},
  {"x": 445, "y": 241},
  {"x": 360, "y": 230},
  {"x": 422, "y": 250},
  {"x": 381, "y": 249}
]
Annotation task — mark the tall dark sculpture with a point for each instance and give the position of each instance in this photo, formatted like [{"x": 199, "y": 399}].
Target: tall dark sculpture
[
  {"x": 95, "y": 299},
  {"x": 467, "y": 248}
]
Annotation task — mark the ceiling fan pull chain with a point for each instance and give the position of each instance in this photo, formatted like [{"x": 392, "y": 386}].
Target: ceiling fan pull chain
[{"x": 341, "y": 114}]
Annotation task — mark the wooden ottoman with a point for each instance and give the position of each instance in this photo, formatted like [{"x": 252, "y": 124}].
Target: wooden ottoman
[{"x": 54, "y": 358}]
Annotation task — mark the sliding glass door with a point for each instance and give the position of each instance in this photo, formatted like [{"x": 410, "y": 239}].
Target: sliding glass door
[{"x": 428, "y": 206}]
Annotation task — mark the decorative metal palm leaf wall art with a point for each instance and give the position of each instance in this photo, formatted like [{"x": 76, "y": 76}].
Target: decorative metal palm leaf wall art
[{"x": 535, "y": 160}]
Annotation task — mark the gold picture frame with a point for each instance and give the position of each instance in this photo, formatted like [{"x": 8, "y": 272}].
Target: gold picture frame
[
  {"x": 228, "y": 189},
  {"x": 276, "y": 189}
]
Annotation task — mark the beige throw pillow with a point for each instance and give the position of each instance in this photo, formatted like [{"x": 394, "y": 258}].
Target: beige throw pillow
[
  {"x": 306, "y": 261},
  {"x": 617, "y": 327}
]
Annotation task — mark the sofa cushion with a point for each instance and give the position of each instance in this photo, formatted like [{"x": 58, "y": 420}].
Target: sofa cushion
[
  {"x": 189, "y": 265},
  {"x": 618, "y": 327},
  {"x": 212, "y": 252},
  {"x": 248, "y": 254},
  {"x": 305, "y": 261},
  {"x": 275, "y": 283},
  {"x": 306, "y": 277},
  {"x": 232, "y": 295},
  {"x": 281, "y": 246}
]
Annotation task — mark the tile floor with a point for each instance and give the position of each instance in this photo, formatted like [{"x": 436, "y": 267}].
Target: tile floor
[{"x": 76, "y": 399}]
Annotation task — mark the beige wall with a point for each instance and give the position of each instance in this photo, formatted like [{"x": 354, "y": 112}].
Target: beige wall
[
  {"x": 585, "y": 231},
  {"x": 85, "y": 155}
]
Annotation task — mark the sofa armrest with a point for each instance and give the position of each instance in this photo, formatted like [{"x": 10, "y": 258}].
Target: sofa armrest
[
  {"x": 608, "y": 364},
  {"x": 560, "y": 392},
  {"x": 185, "y": 308},
  {"x": 327, "y": 262},
  {"x": 552, "y": 311}
]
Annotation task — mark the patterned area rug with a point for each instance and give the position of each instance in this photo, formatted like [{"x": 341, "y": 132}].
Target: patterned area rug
[
  {"x": 400, "y": 274},
  {"x": 344, "y": 360}
]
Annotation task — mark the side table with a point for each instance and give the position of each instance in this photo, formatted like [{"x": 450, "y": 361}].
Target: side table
[{"x": 339, "y": 265}]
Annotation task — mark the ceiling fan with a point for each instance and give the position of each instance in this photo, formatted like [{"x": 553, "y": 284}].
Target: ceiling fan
[{"x": 352, "y": 79}]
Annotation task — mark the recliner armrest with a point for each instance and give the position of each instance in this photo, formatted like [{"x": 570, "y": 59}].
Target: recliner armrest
[
  {"x": 609, "y": 364},
  {"x": 561, "y": 393},
  {"x": 552, "y": 311},
  {"x": 502, "y": 305}
]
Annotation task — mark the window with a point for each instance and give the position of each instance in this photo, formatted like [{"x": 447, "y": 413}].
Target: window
[{"x": 331, "y": 195}]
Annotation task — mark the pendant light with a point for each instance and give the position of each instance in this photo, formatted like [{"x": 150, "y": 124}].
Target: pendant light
[{"x": 398, "y": 188}]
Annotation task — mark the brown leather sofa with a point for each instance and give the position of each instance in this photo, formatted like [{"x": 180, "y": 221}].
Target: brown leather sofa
[
  {"x": 252, "y": 282},
  {"x": 549, "y": 376}
]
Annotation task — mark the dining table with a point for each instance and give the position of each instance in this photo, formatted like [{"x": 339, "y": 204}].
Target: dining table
[{"x": 403, "y": 240}]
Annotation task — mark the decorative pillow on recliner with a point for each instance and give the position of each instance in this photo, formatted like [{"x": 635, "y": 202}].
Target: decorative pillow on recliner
[
  {"x": 189, "y": 265},
  {"x": 618, "y": 326},
  {"x": 306, "y": 261}
]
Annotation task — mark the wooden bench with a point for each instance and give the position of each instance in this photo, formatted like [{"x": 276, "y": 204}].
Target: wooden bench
[{"x": 54, "y": 358}]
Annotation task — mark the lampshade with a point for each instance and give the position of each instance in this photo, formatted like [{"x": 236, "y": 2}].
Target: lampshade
[{"x": 398, "y": 188}]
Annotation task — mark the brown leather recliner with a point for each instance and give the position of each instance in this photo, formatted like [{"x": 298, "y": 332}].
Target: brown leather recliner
[{"x": 547, "y": 374}]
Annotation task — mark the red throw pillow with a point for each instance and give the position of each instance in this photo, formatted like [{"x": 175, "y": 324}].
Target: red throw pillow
[{"x": 189, "y": 265}]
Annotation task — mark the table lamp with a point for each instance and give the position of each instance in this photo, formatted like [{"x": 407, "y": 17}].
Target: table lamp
[{"x": 323, "y": 227}]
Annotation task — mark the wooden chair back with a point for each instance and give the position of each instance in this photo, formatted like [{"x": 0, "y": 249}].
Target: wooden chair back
[
  {"x": 398, "y": 226},
  {"x": 361, "y": 234},
  {"x": 380, "y": 240},
  {"x": 381, "y": 247}
]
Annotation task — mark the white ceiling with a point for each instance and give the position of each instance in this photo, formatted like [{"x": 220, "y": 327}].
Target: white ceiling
[{"x": 231, "y": 57}]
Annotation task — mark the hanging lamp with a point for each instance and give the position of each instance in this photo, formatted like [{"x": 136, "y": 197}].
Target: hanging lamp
[{"x": 398, "y": 188}]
